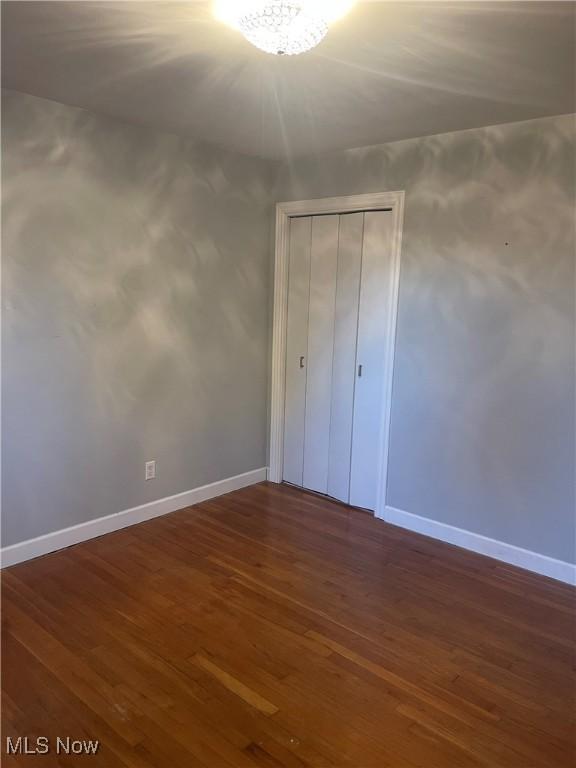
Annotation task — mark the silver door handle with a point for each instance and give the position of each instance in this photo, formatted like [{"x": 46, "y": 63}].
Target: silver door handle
[
  {"x": 302, "y": 361},
  {"x": 359, "y": 371}
]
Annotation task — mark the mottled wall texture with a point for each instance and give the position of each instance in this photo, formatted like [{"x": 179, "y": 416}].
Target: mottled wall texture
[
  {"x": 484, "y": 393},
  {"x": 135, "y": 327},
  {"x": 136, "y": 285}
]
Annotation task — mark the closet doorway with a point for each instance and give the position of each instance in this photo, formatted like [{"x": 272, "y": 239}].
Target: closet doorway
[{"x": 337, "y": 273}]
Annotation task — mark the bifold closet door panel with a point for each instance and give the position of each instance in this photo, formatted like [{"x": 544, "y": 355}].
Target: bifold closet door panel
[
  {"x": 323, "y": 266},
  {"x": 344, "y": 359},
  {"x": 296, "y": 348},
  {"x": 373, "y": 319}
]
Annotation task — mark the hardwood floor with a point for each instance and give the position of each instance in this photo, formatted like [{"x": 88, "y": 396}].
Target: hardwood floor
[{"x": 270, "y": 627}]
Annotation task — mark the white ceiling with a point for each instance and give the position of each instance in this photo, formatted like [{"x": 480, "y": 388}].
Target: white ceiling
[{"x": 389, "y": 70}]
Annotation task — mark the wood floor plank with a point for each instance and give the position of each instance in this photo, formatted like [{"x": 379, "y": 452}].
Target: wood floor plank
[
  {"x": 234, "y": 685},
  {"x": 276, "y": 628}
]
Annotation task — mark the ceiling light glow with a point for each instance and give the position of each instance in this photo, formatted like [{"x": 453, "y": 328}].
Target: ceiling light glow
[{"x": 282, "y": 27}]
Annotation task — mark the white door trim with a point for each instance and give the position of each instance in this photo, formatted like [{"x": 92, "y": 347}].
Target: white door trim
[{"x": 284, "y": 211}]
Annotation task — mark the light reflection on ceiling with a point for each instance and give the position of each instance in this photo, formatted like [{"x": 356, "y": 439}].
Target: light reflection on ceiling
[{"x": 388, "y": 71}]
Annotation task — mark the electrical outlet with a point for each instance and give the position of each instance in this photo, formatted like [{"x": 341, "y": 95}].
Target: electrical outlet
[{"x": 150, "y": 470}]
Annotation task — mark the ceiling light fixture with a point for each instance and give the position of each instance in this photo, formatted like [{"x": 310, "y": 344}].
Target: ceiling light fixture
[{"x": 282, "y": 27}]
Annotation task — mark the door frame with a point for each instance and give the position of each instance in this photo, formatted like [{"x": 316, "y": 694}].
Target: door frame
[{"x": 393, "y": 201}]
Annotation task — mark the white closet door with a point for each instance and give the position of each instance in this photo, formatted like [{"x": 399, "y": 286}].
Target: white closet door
[
  {"x": 323, "y": 266},
  {"x": 296, "y": 348},
  {"x": 373, "y": 319},
  {"x": 344, "y": 360}
]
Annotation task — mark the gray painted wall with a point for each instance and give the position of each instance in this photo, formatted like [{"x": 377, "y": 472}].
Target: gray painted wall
[
  {"x": 136, "y": 282},
  {"x": 482, "y": 433},
  {"x": 135, "y": 327}
]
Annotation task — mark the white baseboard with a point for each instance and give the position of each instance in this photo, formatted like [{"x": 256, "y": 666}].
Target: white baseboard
[
  {"x": 499, "y": 550},
  {"x": 50, "y": 542}
]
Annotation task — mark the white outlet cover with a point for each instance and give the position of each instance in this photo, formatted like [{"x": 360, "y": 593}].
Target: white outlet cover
[{"x": 150, "y": 470}]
